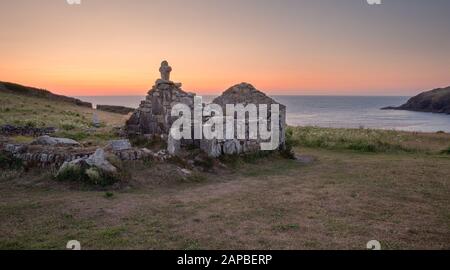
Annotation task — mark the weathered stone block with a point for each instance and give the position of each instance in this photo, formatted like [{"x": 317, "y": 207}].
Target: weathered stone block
[
  {"x": 119, "y": 145},
  {"x": 211, "y": 147}
]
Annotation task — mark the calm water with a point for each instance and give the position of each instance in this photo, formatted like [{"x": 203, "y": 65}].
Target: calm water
[{"x": 334, "y": 111}]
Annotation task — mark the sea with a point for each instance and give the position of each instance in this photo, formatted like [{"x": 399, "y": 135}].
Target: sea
[{"x": 332, "y": 111}]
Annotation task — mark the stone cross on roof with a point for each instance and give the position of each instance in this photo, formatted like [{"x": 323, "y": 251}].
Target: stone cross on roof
[{"x": 165, "y": 70}]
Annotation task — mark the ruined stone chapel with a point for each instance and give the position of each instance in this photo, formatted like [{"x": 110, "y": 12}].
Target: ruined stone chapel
[{"x": 153, "y": 117}]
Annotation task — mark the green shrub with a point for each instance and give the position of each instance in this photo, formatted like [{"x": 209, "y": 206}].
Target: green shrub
[
  {"x": 8, "y": 161},
  {"x": 67, "y": 126},
  {"x": 94, "y": 175},
  {"x": 109, "y": 195},
  {"x": 362, "y": 146},
  {"x": 104, "y": 136},
  {"x": 72, "y": 174},
  {"x": 83, "y": 174},
  {"x": 179, "y": 161},
  {"x": 446, "y": 151},
  {"x": 231, "y": 160},
  {"x": 287, "y": 151},
  {"x": 205, "y": 162},
  {"x": 150, "y": 143},
  {"x": 73, "y": 123},
  {"x": 74, "y": 135},
  {"x": 30, "y": 124},
  {"x": 147, "y": 161}
]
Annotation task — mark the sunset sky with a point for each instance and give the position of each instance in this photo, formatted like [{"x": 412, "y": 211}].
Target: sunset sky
[{"x": 312, "y": 47}]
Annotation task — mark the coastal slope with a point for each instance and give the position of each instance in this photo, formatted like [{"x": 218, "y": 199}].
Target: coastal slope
[
  {"x": 30, "y": 107},
  {"x": 18, "y": 89},
  {"x": 436, "y": 101}
]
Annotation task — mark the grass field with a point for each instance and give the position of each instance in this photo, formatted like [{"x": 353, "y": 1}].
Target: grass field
[
  {"x": 364, "y": 184},
  {"x": 73, "y": 121},
  {"x": 341, "y": 201}
]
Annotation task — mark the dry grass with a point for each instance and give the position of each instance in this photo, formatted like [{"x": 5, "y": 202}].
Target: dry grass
[
  {"x": 72, "y": 121},
  {"x": 369, "y": 140},
  {"x": 339, "y": 202},
  {"x": 365, "y": 184}
]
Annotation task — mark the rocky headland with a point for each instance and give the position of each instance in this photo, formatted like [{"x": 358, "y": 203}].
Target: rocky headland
[{"x": 436, "y": 101}]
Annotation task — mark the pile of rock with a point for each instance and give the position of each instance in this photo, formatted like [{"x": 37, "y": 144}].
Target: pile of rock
[
  {"x": 95, "y": 169},
  {"x": 153, "y": 117},
  {"x": 48, "y": 151},
  {"x": 45, "y": 155},
  {"x": 154, "y": 113},
  {"x": 97, "y": 160},
  {"x": 244, "y": 94},
  {"x": 125, "y": 152},
  {"x": 47, "y": 140}
]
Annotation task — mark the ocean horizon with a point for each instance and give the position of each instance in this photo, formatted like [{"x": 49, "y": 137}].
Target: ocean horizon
[{"x": 330, "y": 111}]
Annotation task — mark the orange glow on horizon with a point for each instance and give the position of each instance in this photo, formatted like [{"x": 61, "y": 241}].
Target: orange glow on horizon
[
  {"x": 116, "y": 48},
  {"x": 110, "y": 82}
]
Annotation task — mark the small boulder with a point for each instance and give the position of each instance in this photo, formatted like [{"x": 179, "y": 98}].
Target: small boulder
[
  {"x": 98, "y": 159},
  {"x": 232, "y": 147},
  {"x": 120, "y": 145},
  {"x": 211, "y": 147},
  {"x": 96, "y": 121},
  {"x": 77, "y": 164},
  {"x": 173, "y": 146},
  {"x": 93, "y": 168},
  {"x": 15, "y": 148},
  {"x": 47, "y": 140},
  {"x": 147, "y": 152},
  {"x": 186, "y": 172}
]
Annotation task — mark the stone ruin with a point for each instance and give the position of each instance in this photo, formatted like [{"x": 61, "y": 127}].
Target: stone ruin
[
  {"x": 243, "y": 93},
  {"x": 153, "y": 117}
]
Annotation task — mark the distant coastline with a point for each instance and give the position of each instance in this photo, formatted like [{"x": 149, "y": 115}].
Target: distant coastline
[
  {"x": 435, "y": 101},
  {"x": 331, "y": 111},
  {"x": 302, "y": 110}
]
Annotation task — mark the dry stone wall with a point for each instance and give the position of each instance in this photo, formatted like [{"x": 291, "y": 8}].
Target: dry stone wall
[
  {"x": 10, "y": 130},
  {"x": 56, "y": 156}
]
